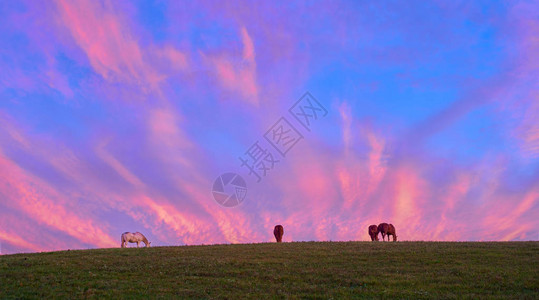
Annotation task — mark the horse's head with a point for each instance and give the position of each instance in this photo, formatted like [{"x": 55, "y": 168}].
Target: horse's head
[
  {"x": 395, "y": 238},
  {"x": 148, "y": 245}
]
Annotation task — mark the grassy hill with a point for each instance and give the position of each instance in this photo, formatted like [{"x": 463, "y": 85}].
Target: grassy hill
[{"x": 308, "y": 269}]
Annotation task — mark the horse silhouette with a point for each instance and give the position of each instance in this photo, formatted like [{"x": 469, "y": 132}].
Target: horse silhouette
[
  {"x": 136, "y": 237},
  {"x": 387, "y": 229},
  {"x": 278, "y": 232},
  {"x": 373, "y": 232}
]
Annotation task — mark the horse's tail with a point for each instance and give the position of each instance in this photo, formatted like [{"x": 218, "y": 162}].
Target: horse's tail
[{"x": 122, "y": 239}]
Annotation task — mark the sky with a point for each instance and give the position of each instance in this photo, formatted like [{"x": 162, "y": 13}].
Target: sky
[{"x": 331, "y": 116}]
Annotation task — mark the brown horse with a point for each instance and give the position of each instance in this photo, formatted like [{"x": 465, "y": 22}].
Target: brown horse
[
  {"x": 373, "y": 232},
  {"x": 278, "y": 232},
  {"x": 387, "y": 229}
]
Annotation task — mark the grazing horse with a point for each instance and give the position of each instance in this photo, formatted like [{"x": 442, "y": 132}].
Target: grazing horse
[
  {"x": 373, "y": 232},
  {"x": 383, "y": 228},
  {"x": 278, "y": 232},
  {"x": 136, "y": 237},
  {"x": 387, "y": 229}
]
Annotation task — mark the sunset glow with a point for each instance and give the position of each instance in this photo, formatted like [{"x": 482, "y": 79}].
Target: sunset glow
[{"x": 119, "y": 116}]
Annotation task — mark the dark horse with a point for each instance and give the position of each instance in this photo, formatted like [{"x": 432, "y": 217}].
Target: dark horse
[
  {"x": 278, "y": 232},
  {"x": 387, "y": 229},
  {"x": 373, "y": 232}
]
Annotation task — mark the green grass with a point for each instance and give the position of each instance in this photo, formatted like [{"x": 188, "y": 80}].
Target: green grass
[{"x": 411, "y": 270}]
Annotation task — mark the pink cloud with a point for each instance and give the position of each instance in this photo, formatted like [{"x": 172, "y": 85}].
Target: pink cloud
[
  {"x": 168, "y": 138},
  {"x": 409, "y": 191},
  {"x": 527, "y": 132},
  {"x": 346, "y": 119},
  {"x": 50, "y": 207},
  {"x": 520, "y": 103},
  {"x": 239, "y": 76},
  {"x": 16, "y": 240},
  {"x": 377, "y": 162},
  {"x": 117, "y": 166},
  {"x": 185, "y": 226},
  {"x": 248, "y": 46},
  {"x": 112, "y": 48},
  {"x": 36, "y": 199},
  {"x": 221, "y": 225},
  {"x": 448, "y": 227},
  {"x": 505, "y": 216},
  {"x": 177, "y": 59}
]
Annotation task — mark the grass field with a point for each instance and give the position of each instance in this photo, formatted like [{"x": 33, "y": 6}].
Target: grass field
[{"x": 288, "y": 270}]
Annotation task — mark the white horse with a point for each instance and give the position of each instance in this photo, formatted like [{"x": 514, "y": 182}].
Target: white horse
[{"x": 136, "y": 237}]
